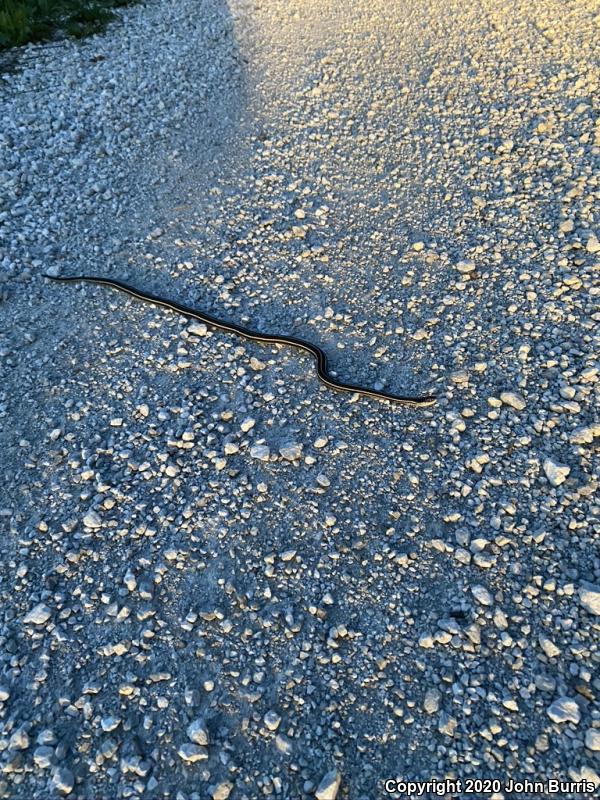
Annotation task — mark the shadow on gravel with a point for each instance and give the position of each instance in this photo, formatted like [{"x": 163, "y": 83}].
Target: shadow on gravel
[
  {"x": 171, "y": 179},
  {"x": 130, "y": 129},
  {"x": 141, "y": 133}
]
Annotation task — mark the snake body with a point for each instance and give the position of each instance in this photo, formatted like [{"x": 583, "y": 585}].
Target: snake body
[{"x": 292, "y": 341}]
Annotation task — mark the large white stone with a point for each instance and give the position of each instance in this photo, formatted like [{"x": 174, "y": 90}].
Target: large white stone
[{"x": 593, "y": 245}]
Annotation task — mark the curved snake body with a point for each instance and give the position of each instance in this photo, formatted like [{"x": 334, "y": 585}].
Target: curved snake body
[{"x": 292, "y": 341}]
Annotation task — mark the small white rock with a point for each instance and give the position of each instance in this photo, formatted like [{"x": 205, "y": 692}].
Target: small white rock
[
  {"x": 192, "y": 752},
  {"x": 247, "y": 424},
  {"x": 129, "y": 580},
  {"x": 555, "y": 472},
  {"x": 566, "y": 226},
  {"x": 514, "y": 400},
  {"x": 328, "y": 788},
  {"x": 460, "y": 377},
  {"x": 198, "y": 732},
  {"x": 221, "y": 791},
  {"x": 92, "y": 520},
  {"x": 589, "y": 597},
  {"x": 465, "y": 267},
  {"x": 593, "y": 245},
  {"x": 260, "y": 451},
  {"x": 500, "y": 619},
  {"x": 291, "y": 451},
  {"x": 63, "y": 780},
  {"x": 19, "y": 740},
  {"x": 585, "y": 773},
  {"x": 548, "y": 646},
  {"x": 197, "y": 329},
  {"x": 42, "y": 756},
  {"x": 272, "y": 720},
  {"x": 431, "y": 704},
  {"x": 564, "y": 710},
  {"x": 283, "y": 744},
  {"x": 38, "y": 615},
  {"x": 584, "y": 435},
  {"x": 447, "y": 724},
  {"x": 481, "y": 594},
  {"x": 109, "y": 724},
  {"x": 257, "y": 365},
  {"x": 592, "y": 739}
]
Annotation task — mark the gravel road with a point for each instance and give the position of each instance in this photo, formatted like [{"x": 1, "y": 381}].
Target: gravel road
[{"x": 219, "y": 579}]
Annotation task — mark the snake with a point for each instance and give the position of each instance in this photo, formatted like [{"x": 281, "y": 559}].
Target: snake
[{"x": 314, "y": 350}]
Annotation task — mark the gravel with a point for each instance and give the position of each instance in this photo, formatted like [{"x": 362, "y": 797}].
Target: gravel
[{"x": 217, "y": 577}]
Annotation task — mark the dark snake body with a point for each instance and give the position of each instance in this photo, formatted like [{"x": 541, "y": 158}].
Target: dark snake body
[{"x": 230, "y": 327}]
